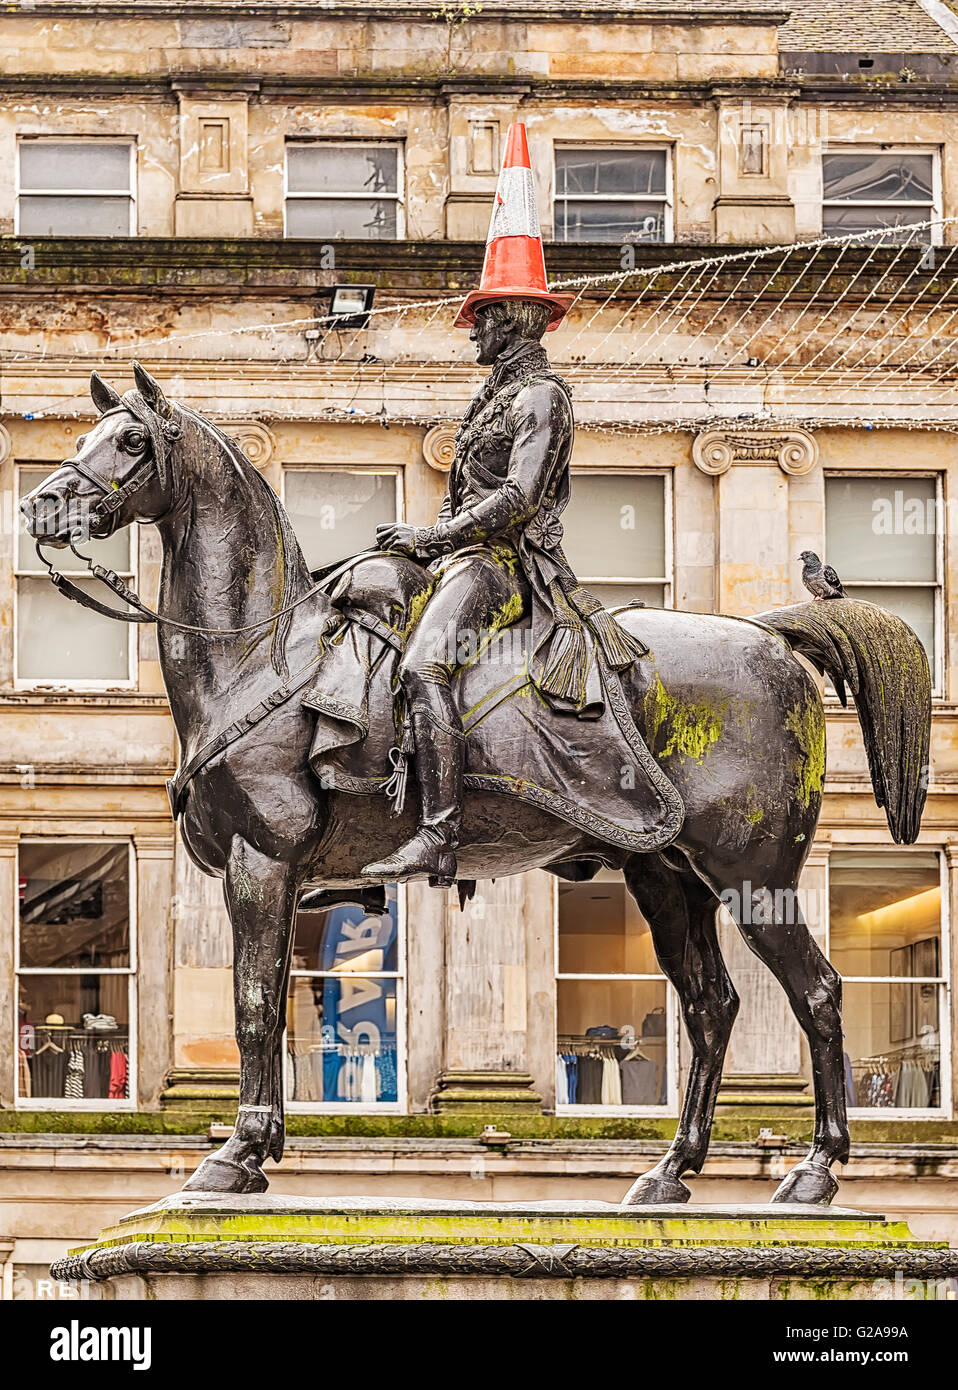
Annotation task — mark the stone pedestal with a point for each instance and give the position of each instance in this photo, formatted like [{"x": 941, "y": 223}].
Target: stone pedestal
[{"x": 206, "y": 1246}]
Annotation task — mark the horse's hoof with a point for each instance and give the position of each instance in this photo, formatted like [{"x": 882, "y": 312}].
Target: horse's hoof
[
  {"x": 223, "y": 1175},
  {"x": 810, "y": 1183},
  {"x": 656, "y": 1189}
]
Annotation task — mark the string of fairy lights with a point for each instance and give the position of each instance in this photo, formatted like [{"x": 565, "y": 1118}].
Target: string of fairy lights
[{"x": 723, "y": 338}]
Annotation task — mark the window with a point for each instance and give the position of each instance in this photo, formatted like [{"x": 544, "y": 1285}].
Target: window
[
  {"x": 886, "y": 938},
  {"x": 344, "y": 190},
  {"x": 335, "y": 512},
  {"x": 612, "y": 194},
  {"x": 617, "y": 536},
  {"x": 76, "y": 964},
  {"x": 616, "y": 1043},
  {"x": 882, "y": 535},
  {"x": 864, "y": 189},
  {"x": 57, "y": 641},
  {"x": 76, "y": 188},
  {"x": 345, "y": 1043}
]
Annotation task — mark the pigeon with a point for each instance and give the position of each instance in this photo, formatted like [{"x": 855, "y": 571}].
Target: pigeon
[{"x": 820, "y": 580}]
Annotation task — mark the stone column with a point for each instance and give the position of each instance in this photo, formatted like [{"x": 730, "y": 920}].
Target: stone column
[
  {"x": 951, "y": 853},
  {"x": 213, "y": 198},
  {"x": 154, "y": 889},
  {"x": 753, "y": 205},
  {"x": 477, "y": 128},
  {"x": 486, "y": 1056},
  {"x": 8, "y": 984},
  {"x": 756, "y": 472}
]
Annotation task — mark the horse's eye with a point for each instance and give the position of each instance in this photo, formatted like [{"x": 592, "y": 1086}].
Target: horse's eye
[{"x": 135, "y": 440}]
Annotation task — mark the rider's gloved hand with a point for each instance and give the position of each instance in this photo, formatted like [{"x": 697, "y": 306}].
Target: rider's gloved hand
[{"x": 394, "y": 535}]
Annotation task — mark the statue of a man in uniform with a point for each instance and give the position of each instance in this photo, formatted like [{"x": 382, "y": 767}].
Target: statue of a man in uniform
[{"x": 496, "y": 546}]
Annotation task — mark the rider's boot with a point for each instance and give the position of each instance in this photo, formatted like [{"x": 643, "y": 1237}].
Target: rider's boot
[{"x": 431, "y": 852}]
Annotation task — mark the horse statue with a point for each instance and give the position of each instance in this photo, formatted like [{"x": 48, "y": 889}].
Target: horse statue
[{"x": 731, "y": 715}]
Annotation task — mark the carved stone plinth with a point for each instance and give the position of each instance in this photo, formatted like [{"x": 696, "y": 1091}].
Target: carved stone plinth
[
  {"x": 487, "y": 1093},
  {"x": 206, "y": 1246}
]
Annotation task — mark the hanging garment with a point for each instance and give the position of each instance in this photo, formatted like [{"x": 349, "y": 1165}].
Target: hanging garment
[
  {"x": 367, "y": 1090},
  {"x": 23, "y": 1074},
  {"x": 73, "y": 1086},
  {"x": 572, "y": 1076},
  {"x": 119, "y": 1073},
  {"x": 849, "y": 1081},
  {"x": 590, "y": 1080},
  {"x": 388, "y": 1075},
  {"x": 611, "y": 1082},
  {"x": 562, "y": 1082},
  {"x": 638, "y": 1080},
  {"x": 48, "y": 1071}
]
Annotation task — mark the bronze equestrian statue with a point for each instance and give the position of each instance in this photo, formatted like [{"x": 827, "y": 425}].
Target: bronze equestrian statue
[{"x": 293, "y": 753}]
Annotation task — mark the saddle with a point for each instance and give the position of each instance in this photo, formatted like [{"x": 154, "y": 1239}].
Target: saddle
[{"x": 596, "y": 774}]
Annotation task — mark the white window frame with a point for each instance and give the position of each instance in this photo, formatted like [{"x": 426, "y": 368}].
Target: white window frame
[
  {"x": 327, "y": 195},
  {"x": 942, "y": 980},
  {"x": 131, "y": 680},
  {"x": 27, "y": 971},
  {"x": 671, "y": 1105},
  {"x": 667, "y": 198},
  {"x": 853, "y": 147},
  {"x": 399, "y": 1106},
  {"x": 668, "y": 579},
  {"x": 938, "y": 585},
  {"x": 86, "y": 140}
]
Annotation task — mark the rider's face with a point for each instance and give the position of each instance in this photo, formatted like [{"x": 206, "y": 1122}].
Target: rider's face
[{"x": 490, "y": 333}]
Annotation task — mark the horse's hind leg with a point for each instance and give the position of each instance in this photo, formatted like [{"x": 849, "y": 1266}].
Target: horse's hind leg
[
  {"x": 774, "y": 928},
  {"x": 261, "y": 896},
  {"x": 680, "y": 910}
]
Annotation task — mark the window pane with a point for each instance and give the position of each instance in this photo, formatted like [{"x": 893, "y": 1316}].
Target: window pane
[
  {"x": 599, "y": 221},
  {"x": 65, "y": 216},
  {"x": 601, "y": 931},
  {"x": 892, "y": 1046},
  {"x": 342, "y": 168},
  {"x": 615, "y": 526},
  {"x": 345, "y": 940},
  {"x": 74, "y": 905},
  {"x": 59, "y": 641},
  {"x": 341, "y": 1040},
  {"x": 610, "y": 171},
  {"x": 852, "y": 221},
  {"x": 878, "y": 177},
  {"x": 884, "y": 913},
  {"x": 114, "y": 552},
  {"x": 881, "y": 528},
  {"x": 915, "y": 606},
  {"x": 93, "y": 165},
  {"x": 335, "y": 513},
  {"x": 357, "y": 218},
  {"x": 73, "y": 1040},
  {"x": 622, "y": 1060}
]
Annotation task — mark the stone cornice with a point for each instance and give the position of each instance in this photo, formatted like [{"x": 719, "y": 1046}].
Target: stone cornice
[{"x": 558, "y": 11}]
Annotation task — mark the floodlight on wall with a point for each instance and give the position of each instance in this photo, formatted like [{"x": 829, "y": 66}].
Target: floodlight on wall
[{"x": 350, "y": 305}]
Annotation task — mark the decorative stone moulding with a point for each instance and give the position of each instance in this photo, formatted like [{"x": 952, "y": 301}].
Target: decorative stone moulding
[
  {"x": 439, "y": 447},
  {"x": 715, "y": 451},
  {"x": 255, "y": 440},
  {"x": 5, "y": 444}
]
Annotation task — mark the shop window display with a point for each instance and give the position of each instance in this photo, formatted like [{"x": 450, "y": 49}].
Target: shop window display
[
  {"x": 75, "y": 973},
  {"x": 615, "y": 1038},
  {"x": 885, "y": 936},
  {"x": 343, "y": 1036}
]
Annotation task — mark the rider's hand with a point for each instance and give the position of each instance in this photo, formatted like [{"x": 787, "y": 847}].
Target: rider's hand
[{"x": 394, "y": 535}]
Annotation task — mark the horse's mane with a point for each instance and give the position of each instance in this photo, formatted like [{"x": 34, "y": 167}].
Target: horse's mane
[{"x": 289, "y": 545}]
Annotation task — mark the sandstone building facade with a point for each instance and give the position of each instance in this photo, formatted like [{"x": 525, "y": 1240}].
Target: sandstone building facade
[{"x": 187, "y": 185}]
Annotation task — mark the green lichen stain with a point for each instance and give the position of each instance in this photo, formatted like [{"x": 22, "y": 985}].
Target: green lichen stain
[
  {"x": 807, "y": 725},
  {"x": 416, "y": 606},
  {"x": 510, "y": 612},
  {"x": 754, "y": 812},
  {"x": 692, "y": 728}
]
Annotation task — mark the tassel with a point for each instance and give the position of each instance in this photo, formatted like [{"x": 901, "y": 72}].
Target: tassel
[
  {"x": 564, "y": 676},
  {"x": 395, "y": 788},
  {"x": 619, "y": 647}
]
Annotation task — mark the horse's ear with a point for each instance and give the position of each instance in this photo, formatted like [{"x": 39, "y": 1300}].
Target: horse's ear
[
  {"x": 151, "y": 391},
  {"x": 104, "y": 396}
]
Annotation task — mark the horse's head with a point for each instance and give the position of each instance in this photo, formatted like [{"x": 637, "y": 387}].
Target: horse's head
[{"x": 121, "y": 472}]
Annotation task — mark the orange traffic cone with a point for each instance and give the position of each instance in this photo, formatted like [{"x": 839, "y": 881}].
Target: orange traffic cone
[{"x": 514, "y": 267}]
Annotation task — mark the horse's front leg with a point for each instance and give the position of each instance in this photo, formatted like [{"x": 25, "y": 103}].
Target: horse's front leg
[{"x": 261, "y": 896}]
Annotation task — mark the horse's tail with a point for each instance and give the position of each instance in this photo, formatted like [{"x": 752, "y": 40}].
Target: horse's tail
[{"x": 880, "y": 659}]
